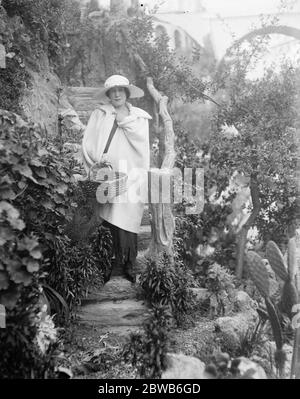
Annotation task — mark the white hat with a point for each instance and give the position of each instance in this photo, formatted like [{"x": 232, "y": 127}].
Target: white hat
[{"x": 120, "y": 81}]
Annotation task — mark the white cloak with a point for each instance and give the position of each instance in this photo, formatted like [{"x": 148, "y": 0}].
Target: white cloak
[{"x": 130, "y": 144}]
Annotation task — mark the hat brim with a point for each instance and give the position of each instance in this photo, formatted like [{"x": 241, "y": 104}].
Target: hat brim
[{"x": 134, "y": 91}]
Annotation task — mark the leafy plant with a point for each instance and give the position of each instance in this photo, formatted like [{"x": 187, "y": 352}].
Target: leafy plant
[
  {"x": 290, "y": 294},
  {"x": 259, "y": 274},
  {"x": 75, "y": 267},
  {"x": 264, "y": 113},
  {"x": 220, "y": 284},
  {"x": 168, "y": 285},
  {"x": 20, "y": 354},
  {"x": 147, "y": 350},
  {"x": 36, "y": 204}
]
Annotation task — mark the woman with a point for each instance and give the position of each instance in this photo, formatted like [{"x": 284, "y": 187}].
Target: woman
[{"x": 128, "y": 149}]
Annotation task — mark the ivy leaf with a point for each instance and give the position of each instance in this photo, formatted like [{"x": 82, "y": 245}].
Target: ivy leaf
[
  {"x": 6, "y": 234},
  {"x": 12, "y": 215},
  {"x": 32, "y": 266},
  {"x": 21, "y": 184},
  {"x": 22, "y": 277},
  {"x": 10, "y": 298},
  {"x": 42, "y": 152},
  {"x": 18, "y": 224},
  {"x": 36, "y": 162},
  {"x": 7, "y": 194},
  {"x": 61, "y": 188},
  {"x": 27, "y": 244},
  {"x": 24, "y": 170},
  {"x": 4, "y": 280},
  {"x": 36, "y": 254},
  {"x": 41, "y": 173},
  {"x": 47, "y": 204}
]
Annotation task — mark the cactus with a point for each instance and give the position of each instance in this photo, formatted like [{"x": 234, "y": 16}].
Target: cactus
[
  {"x": 288, "y": 299},
  {"x": 289, "y": 295},
  {"x": 292, "y": 261},
  {"x": 260, "y": 277},
  {"x": 259, "y": 273},
  {"x": 275, "y": 258}
]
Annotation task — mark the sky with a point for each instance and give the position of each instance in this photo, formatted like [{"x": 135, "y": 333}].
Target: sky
[
  {"x": 233, "y": 7},
  {"x": 247, "y": 7}
]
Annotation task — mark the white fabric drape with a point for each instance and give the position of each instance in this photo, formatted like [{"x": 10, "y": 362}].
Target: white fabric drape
[{"x": 130, "y": 145}]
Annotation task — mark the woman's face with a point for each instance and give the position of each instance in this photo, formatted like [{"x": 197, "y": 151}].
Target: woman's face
[{"x": 117, "y": 96}]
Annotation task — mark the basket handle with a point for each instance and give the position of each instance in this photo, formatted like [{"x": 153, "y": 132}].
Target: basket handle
[
  {"x": 97, "y": 164},
  {"x": 90, "y": 170}
]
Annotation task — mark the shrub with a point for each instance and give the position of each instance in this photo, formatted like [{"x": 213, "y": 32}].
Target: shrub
[
  {"x": 20, "y": 355},
  {"x": 75, "y": 267},
  {"x": 147, "y": 351},
  {"x": 35, "y": 206},
  {"x": 168, "y": 284},
  {"x": 220, "y": 284}
]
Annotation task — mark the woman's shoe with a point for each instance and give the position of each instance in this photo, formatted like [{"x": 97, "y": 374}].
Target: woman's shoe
[
  {"x": 107, "y": 277},
  {"x": 129, "y": 274}
]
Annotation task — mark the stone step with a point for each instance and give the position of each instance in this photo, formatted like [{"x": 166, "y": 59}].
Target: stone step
[
  {"x": 128, "y": 312},
  {"x": 146, "y": 217},
  {"x": 117, "y": 288},
  {"x": 144, "y": 237},
  {"x": 83, "y": 99}
]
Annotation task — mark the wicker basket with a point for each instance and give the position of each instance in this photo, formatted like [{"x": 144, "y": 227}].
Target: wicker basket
[{"x": 114, "y": 186}]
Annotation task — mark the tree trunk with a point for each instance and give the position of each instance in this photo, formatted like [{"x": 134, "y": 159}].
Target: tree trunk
[
  {"x": 162, "y": 223},
  {"x": 242, "y": 240}
]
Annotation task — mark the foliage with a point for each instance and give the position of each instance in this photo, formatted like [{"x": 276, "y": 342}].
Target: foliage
[
  {"x": 117, "y": 42},
  {"x": 38, "y": 200},
  {"x": 12, "y": 80},
  {"x": 265, "y": 148},
  {"x": 173, "y": 77},
  {"x": 167, "y": 285},
  {"x": 45, "y": 20},
  {"x": 20, "y": 356},
  {"x": 289, "y": 297},
  {"x": 220, "y": 284},
  {"x": 33, "y": 34},
  {"x": 75, "y": 267},
  {"x": 196, "y": 233},
  {"x": 147, "y": 350}
]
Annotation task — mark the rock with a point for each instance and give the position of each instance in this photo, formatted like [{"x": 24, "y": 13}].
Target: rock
[
  {"x": 247, "y": 369},
  {"x": 232, "y": 329},
  {"x": 243, "y": 302},
  {"x": 70, "y": 121},
  {"x": 180, "y": 366},
  {"x": 40, "y": 101},
  {"x": 127, "y": 312},
  {"x": 264, "y": 355},
  {"x": 116, "y": 289},
  {"x": 201, "y": 294}
]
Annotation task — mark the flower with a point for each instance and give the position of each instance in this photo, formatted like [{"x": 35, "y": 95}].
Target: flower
[
  {"x": 229, "y": 131},
  {"x": 47, "y": 332}
]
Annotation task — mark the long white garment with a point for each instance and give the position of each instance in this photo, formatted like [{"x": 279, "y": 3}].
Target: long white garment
[{"x": 130, "y": 145}]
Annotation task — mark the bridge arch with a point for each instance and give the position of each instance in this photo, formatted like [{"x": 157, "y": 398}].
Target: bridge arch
[{"x": 267, "y": 30}]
